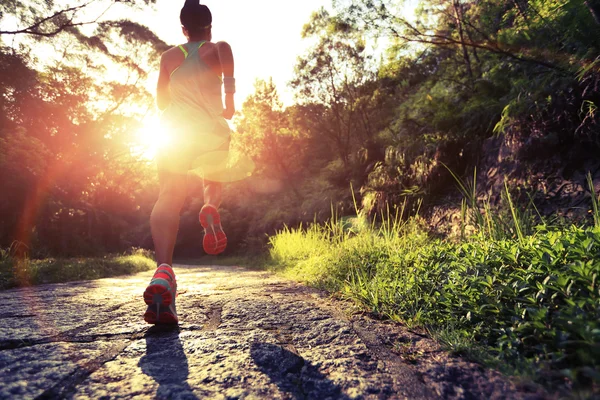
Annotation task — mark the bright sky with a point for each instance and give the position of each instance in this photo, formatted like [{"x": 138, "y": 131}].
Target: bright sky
[{"x": 264, "y": 36}]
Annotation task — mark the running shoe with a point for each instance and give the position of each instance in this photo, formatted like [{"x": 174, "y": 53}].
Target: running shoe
[
  {"x": 214, "y": 241},
  {"x": 160, "y": 297}
]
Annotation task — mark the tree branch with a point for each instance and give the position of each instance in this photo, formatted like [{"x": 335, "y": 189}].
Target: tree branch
[
  {"x": 442, "y": 40},
  {"x": 34, "y": 29}
]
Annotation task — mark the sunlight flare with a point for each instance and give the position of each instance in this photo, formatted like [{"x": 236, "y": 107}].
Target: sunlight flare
[{"x": 152, "y": 136}]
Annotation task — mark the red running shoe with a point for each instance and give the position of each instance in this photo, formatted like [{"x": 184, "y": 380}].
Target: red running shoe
[
  {"x": 214, "y": 241},
  {"x": 160, "y": 297}
]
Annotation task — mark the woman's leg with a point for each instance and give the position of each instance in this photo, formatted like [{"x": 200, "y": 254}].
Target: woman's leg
[
  {"x": 213, "y": 193},
  {"x": 213, "y": 189},
  {"x": 164, "y": 220},
  {"x": 215, "y": 240},
  {"x": 161, "y": 293}
]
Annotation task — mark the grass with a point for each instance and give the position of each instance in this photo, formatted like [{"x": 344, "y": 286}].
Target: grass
[
  {"x": 26, "y": 272},
  {"x": 520, "y": 297}
]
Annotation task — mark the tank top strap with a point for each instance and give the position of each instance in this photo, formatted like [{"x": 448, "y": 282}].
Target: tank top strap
[
  {"x": 194, "y": 49},
  {"x": 183, "y": 49}
]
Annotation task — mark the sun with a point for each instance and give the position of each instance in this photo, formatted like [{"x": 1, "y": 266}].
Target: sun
[{"x": 151, "y": 136}]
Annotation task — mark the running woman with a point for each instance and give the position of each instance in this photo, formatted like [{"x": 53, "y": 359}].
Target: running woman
[{"x": 189, "y": 94}]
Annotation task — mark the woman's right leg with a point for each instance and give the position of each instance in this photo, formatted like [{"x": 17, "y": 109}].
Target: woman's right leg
[
  {"x": 215, "y": 240},
  {"x": 212, "y": 193}
]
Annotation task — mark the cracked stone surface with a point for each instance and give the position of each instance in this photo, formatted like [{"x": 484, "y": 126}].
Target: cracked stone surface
[{"x": 242, "y": 335}]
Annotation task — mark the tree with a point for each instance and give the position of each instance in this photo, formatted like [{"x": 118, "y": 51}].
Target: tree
[
  {"x": 267, "y": 134},
  {"x": 513, "y": 29},
  {"x": 337, "y": 74},
  {"x": 67, "y": 127}
]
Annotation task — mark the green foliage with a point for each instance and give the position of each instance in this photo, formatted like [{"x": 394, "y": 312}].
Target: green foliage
[
  {"x": 464, "y": 70},
  {"x": 19, "y": 272},
  {"x": 595, "y": 201},
  {"x": 384, "y": 120},
  {"x": 511, "y": 219},
  {"x": 528, "y": 304},
  {"x": 270, "y": 135},
  {"x": 338, "y": 75}
]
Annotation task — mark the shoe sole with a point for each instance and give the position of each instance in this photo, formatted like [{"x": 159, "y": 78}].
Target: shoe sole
[
  {"x": 159, "y": 298},
  {"x": 215, "y": 240}
]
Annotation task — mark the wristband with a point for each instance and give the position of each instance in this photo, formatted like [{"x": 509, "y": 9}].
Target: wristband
[{"x": 229, "y": 84}]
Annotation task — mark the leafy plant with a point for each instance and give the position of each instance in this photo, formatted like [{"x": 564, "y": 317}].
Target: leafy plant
[{"x": 526, "y": 303}]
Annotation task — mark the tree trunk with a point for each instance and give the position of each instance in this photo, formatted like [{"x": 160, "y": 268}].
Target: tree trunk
[
  {"x": 458, "y": 14},
  {"x": 475, "y": 54}
]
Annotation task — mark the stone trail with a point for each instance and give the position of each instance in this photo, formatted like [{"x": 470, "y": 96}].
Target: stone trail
[{"x": 243, "y": 335}]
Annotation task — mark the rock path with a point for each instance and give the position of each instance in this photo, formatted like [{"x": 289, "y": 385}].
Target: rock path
[{"x": 243, "y": 335}]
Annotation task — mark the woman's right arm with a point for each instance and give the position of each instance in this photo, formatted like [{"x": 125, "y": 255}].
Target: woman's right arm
[
  {"x": 227, "y": 68},
  {"x": 163, "y": 96}
]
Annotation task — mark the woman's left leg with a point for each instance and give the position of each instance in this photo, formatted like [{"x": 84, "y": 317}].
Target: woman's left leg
[
  {"x": 161, "y": 293},
  {"x": 164, "y": 220}
]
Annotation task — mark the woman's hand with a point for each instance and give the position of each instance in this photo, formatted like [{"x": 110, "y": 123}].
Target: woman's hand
[{"x": 228, "y": 113}]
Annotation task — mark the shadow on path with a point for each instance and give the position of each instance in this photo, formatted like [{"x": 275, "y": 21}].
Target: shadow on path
[
  {"x": 293, "y": 374},
  {"x": 166, "y": 362}
]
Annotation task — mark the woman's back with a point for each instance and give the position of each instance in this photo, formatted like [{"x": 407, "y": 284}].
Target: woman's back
[{"x": 194, "y": 113}]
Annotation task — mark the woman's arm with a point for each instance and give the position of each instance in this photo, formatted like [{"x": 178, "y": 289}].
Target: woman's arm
[
  {"x": 163, "y": 96},
  {"x": 227, "y": 67}
]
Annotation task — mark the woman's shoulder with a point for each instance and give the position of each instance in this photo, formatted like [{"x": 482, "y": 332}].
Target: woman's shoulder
[
  {"x": 222, "y": 44},
  {"x": 173, "y": 50},
  {"x": 217, "y": 45}
]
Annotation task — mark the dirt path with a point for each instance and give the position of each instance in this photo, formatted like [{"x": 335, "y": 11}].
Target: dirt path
[{"x": 243, "y": 335}]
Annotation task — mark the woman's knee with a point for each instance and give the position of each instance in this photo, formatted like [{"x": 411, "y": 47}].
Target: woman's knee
[
  {"x": 212, "y": 184},
  {"x": 167, "y": 208},
  {"x": 172, "y": 195},
  {"x": 173, "y": 199}
]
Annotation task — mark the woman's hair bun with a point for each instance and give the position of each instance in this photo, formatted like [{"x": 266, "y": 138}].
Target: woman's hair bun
[
  {"x": 195, "y": 16},
  {"x": 191, "y": 3}
]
